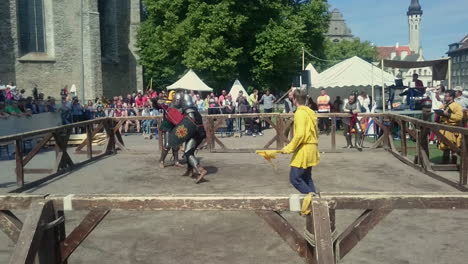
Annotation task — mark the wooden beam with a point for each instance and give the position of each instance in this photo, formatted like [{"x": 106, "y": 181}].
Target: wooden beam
[
  {"x": 285, "y": 230},
  {"x": 270, "y": 142},
  {"x": 37, "y": 148},
  {"x": 110, "y": 148},
  {"x": 221, "y": 144},
  {"x": 81, "y": 232},
  {"x": 89, "y": 141},
  {"x": 404, "y": 149},
  {"x": 94, "y": 133},
  {"x": 19, "y": 162},
  {"x": 358, "y": 230},
  {"x": 31, "y": 235},
  {"x": 333, "y": 134},
  {"x": 464, "y": 161},
  {"x": 38, "y": 171},
  {"x": 10, "y": 224},
  {"x": 445, "y": 167},
  {"x": 322, "y": 231}
]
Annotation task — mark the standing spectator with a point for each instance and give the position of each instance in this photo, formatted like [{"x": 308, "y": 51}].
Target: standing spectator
[
  {"x": 51, "y": 106},
  {"x": 364, "y": 101},
  {"x": 323, "y": 102},
  {"x": 337, "y": 106},
  {"x": 222, "y": 97},
  {"x": 194, "y": 96},
  {"x": 289, "y": 107},
  {"x": 200, "y": 104},
  {"x": 65, "y": 111},
  {"x": 63, "y": 92},
  {"x": 88, "y": 111},
  {"x": 242, "y": 107},
  {"x": 253, "y": 98},
  {"x": 459, "y": 98},
  {"x": 267, "y": 100},
  {"x": 229, "y": 108},
  {"x": 77, "y": 112},
  {"x": 2, "y": 91}
]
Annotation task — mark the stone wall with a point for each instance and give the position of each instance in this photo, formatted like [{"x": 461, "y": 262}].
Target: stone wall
[
  {"x": 7, "y": 42},
  {"x": 116, "y": 72}
]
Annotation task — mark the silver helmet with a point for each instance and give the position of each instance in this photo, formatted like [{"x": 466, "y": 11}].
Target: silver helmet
[{"x": 182, "y": 100}]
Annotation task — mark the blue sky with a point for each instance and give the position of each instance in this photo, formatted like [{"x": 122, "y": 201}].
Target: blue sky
[{"x": 384, "y": 22}]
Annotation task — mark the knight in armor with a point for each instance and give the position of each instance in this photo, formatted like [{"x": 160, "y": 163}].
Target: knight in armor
[
  {"x": 352, "y": 125},
  {"x": 166, "y": 126},
  {"x": 189, "y": 131}
]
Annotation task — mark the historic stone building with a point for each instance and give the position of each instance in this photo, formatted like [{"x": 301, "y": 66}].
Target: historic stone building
[
  {"x": 51, "y": 43},
  {"x": 459, "y": 53},
  {"x": 338, "y": 30}
]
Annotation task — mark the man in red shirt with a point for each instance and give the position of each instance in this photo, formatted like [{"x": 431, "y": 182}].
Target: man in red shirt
[
  {"x": 139, "y": 101},
  {"x": 222, "y": 97}
]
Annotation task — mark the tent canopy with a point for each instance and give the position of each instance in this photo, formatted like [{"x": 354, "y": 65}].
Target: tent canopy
[
  {"x": 190, "y": 81},
  {"x": 314, "y": 75},
  {"x": 353, "y": 72},
  {"x": 236, "y": 88},
  {"x": 439, "y": 67}
]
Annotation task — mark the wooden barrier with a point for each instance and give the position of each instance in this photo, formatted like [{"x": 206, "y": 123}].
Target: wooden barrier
[
  {"x": 61, "y": 136},
  {"x": 42, "y": 235}
]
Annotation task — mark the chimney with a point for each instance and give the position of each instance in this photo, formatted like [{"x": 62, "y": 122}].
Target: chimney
[
  {"x": 392, "y": 55},
  {"x": 403, "y": 54},
  {"x": 397, "y": 45}
]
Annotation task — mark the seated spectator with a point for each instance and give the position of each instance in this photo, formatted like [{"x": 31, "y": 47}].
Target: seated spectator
[
  {"x": 254, "y": 123},
  {"x": 100, "y": 112},
  {"x": 128, "y": 112},
  {"x": 146, "y": 124},
  {"x": 3, "y": 114},
  {"x": 13, "y": 109}
]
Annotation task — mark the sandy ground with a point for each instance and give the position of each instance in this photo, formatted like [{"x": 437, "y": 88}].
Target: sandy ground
[{"x": 417, "y": 236}]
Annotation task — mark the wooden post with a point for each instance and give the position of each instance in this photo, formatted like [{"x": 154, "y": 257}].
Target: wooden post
[
  {"x": 404, "y": 150},
  {"x": 111, "y": 136},
  {"x": 322, "y": 231},
  {"x": 464, "y": 160},
  {"x": 333, "y": 134},
  {"x": 212, "y": 133},
  {"x": 89, "y": 142},
  {"x": 19, "y": 162},
  {"x": 279, "y": 132}
]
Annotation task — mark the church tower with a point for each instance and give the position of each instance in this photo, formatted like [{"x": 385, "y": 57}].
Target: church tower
[{"x": 414, "y": 20}]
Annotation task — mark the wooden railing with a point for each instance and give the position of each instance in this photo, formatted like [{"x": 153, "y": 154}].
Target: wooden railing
[
  {"x": 417, "y": 129},
  {"x": 41, "y": 236},
  {"x": 61, "y": 135}
]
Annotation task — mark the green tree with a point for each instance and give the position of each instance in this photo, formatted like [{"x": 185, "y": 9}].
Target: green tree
[
  {"x": 349, "y": 48},
  {"x": 257, "y": 41}
]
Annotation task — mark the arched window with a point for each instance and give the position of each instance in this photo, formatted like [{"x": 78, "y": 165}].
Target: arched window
[
  {"x": 31, "y": 26},
  {"x": 416, "y": 27},
  {"x": 425, "y": 72}
]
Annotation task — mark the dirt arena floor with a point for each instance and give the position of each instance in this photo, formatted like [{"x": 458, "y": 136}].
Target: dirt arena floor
[{"x": 405, "y": 236}]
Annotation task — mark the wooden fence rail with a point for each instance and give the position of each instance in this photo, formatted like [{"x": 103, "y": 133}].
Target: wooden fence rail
[{"x": 42, "y": 236}]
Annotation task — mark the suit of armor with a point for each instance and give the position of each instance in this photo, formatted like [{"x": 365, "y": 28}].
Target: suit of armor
[
  {"x": 184, "y": 101},
  {"x": 352, "y": 123}
]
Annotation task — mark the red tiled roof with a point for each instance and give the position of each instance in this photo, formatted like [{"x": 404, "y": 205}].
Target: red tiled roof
[{"x": 386, "y": 52}]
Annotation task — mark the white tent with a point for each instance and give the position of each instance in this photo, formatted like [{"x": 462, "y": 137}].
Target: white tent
[
  {"x": 236, "y": 88},
  {"x": 353, "y": 72},
  {"x": 314, "y": 75},
  {"x": 190, "y": 81}
]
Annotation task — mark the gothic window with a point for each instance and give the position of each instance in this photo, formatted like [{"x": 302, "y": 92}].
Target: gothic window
[
  {"x": 416, "y": 27},
  {"x": 31, "y": 26}
]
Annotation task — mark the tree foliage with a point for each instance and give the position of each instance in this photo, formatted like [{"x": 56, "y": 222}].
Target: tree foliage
[
  {"x": 335, "y": 52},
  {"x": 257, "y": 41}
]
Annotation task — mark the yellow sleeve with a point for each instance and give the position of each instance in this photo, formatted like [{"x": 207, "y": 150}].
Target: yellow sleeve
[
  {"x": 457, "y": 113},
  {"x": 300, "y": 125}
]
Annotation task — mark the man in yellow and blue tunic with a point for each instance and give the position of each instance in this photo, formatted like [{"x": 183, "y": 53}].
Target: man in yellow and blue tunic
[
  {"x": 452, "y": 116},
  {"x": 304, "y": 145}
]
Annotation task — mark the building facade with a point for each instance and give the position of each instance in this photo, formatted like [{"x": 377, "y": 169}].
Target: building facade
[
  {"x": 459, "y": 54},
  {"x": 51, "y": 44},
  {"x": 338, "y": 30}
]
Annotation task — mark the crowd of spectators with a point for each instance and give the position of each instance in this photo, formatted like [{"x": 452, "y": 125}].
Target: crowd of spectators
[{"x": 14, "y": 102}]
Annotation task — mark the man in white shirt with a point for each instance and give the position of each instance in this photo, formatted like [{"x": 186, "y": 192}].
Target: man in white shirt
[
  {"x": 462, "y": 100},
  {"x": 436, "y": 95}
]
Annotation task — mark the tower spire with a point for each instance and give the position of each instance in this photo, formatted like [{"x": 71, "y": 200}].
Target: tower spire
[{"x": 414, "y": 8}]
